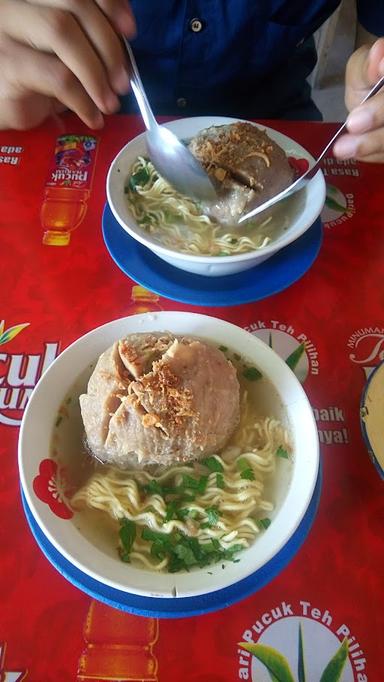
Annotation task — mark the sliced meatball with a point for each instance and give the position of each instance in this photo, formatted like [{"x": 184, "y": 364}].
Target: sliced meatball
[
  {"x": 182, "y": 407},
  {"x": 246, "y": 166}
]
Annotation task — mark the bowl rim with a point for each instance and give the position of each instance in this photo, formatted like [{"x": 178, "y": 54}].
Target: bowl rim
[
  {"x": 181, "y": 582},
  {"x": 363, "y": 426},
  {"x": 139, "y": 234}
]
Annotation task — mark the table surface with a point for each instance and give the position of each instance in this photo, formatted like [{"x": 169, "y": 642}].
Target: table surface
[{"x": 51, "y": 631}]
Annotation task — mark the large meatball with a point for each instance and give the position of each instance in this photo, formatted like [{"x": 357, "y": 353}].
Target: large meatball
[
  {"x": 246, "y": 166},
  {"x": 158, "y": 399}
]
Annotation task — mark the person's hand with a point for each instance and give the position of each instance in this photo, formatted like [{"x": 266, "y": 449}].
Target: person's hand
[
  {"x": 62, "y": 54},
  {"x": 365, "y": 138}
]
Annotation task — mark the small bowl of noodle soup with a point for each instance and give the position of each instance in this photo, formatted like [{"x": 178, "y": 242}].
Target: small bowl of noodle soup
[
  {"x": 170, "y": 531},
  {"x": 179, "y": 230}
]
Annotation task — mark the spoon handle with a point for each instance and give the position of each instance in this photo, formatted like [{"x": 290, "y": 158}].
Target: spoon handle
[{"x": 138, "y": 90}]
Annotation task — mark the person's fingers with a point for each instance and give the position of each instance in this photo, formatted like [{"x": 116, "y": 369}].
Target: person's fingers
[
  {"x": 364, "y": 68},
  {"x": 119, "y": 13},
  {"x": 361, "y": 147},
  {"x": 22, "y": 66},
  {"x": 373, "y": 158},
  {"x": 368, "y": 116},
  {"x": 103, "y": 37},
  {"x": 51, "y": 29},
  {"x": 375, "y": 62}
]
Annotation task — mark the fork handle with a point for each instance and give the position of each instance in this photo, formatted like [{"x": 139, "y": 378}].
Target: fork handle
[{"x": 311, "y": 172}]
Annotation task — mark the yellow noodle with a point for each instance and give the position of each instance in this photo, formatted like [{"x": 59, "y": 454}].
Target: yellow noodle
[
  {"x": 240, "y": 504},
  {"x": 178, "y": 222}
]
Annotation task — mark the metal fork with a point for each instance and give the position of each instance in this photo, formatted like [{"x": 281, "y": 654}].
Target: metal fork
[{"x": 309, "y": 174}]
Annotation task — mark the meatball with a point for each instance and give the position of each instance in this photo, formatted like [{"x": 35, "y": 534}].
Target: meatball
[
  {"x": 158, "y": 399},
  {"x": 245, "y": 165}
]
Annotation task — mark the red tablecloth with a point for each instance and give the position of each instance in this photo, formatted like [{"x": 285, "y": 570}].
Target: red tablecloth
[{"x": 50, "y": 631}]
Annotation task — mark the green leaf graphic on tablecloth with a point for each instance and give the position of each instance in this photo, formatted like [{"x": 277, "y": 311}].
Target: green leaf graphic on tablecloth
[
  {"x": 293, "y": 359},
  {"x": 334, "y": 205},
  {"x": 332, "y": 672},
  {"x": 273, "y": 677},
  {"x": 300, "y": 664},
  {"x": 10, "y": 333},
  {"x": 276, "y": 664}
]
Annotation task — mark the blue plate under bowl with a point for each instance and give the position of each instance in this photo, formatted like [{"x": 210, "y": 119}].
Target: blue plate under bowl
[
  {"x": 178, "y": 607},
  {"x": 274, "y": 275}
]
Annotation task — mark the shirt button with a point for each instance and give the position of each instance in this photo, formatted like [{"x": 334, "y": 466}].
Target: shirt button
[
  {"x": 181, "y": 102},
  {"x": 195, "y": 25}
]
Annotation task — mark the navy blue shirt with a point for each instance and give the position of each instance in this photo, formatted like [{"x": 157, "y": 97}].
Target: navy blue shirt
[{"x": 248, "y": 58}]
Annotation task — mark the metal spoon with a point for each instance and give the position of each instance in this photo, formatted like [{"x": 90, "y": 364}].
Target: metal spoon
[
  {"x": 169, "y": 155},
  {"x": 308, "y": 175}
]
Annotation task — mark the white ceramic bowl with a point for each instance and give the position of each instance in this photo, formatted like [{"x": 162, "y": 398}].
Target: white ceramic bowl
[
  {"x": 295, "y": 478},
  {"x": 314, "y": 197}
]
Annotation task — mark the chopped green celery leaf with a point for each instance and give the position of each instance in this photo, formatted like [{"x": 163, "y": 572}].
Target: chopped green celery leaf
[
  {"x": 233, "y": 550},
  {"x": 263, "y": 524},
  {"x": 282, "y": 452},
  {"x": 245, "y": 469},
  {"x": 212, "y": 516},
  {"x": 252, "y": 374},
  {"x": 185, "y": 554},
  {"x": 185, "y": 511},
  {"x": 212, "y": 463},
  {"x": 195, "y": 484},
  {"x": 183, "y": 551},
  {"x": 127, "y": 534},
  {"x": 155, "y": 536},
  {"x": 187, "y": 497},
  {"x": 223, "y": 348},
  {"x": 124, "y": 556},
  {"x": 170, "y": 512},
  {"x": 210, "y": 547},
  {"x": 157, "y": 550},
  {"x": 153, "y": 487},
  {"x": 247, "y": 474},
  {"x": 175, "y": 564},
  {"x": 140, "y": 178},
  {"x": 172, "y": 490},
  {"x": 237, "y": 357},
  {"x": 220, "y": 480}
]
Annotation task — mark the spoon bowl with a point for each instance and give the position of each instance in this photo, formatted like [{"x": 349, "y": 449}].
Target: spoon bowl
[
  {"x": 176, "y": 163},
  {"x": 171, "y": 158}
]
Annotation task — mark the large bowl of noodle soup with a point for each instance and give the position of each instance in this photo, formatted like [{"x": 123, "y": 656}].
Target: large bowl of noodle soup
[
  {"x": 270, "y": 233},
  {"x": 51, "y": 460}
]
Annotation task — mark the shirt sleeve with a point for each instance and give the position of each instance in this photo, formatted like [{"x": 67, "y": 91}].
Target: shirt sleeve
[{"x": 370, "y": 14}]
